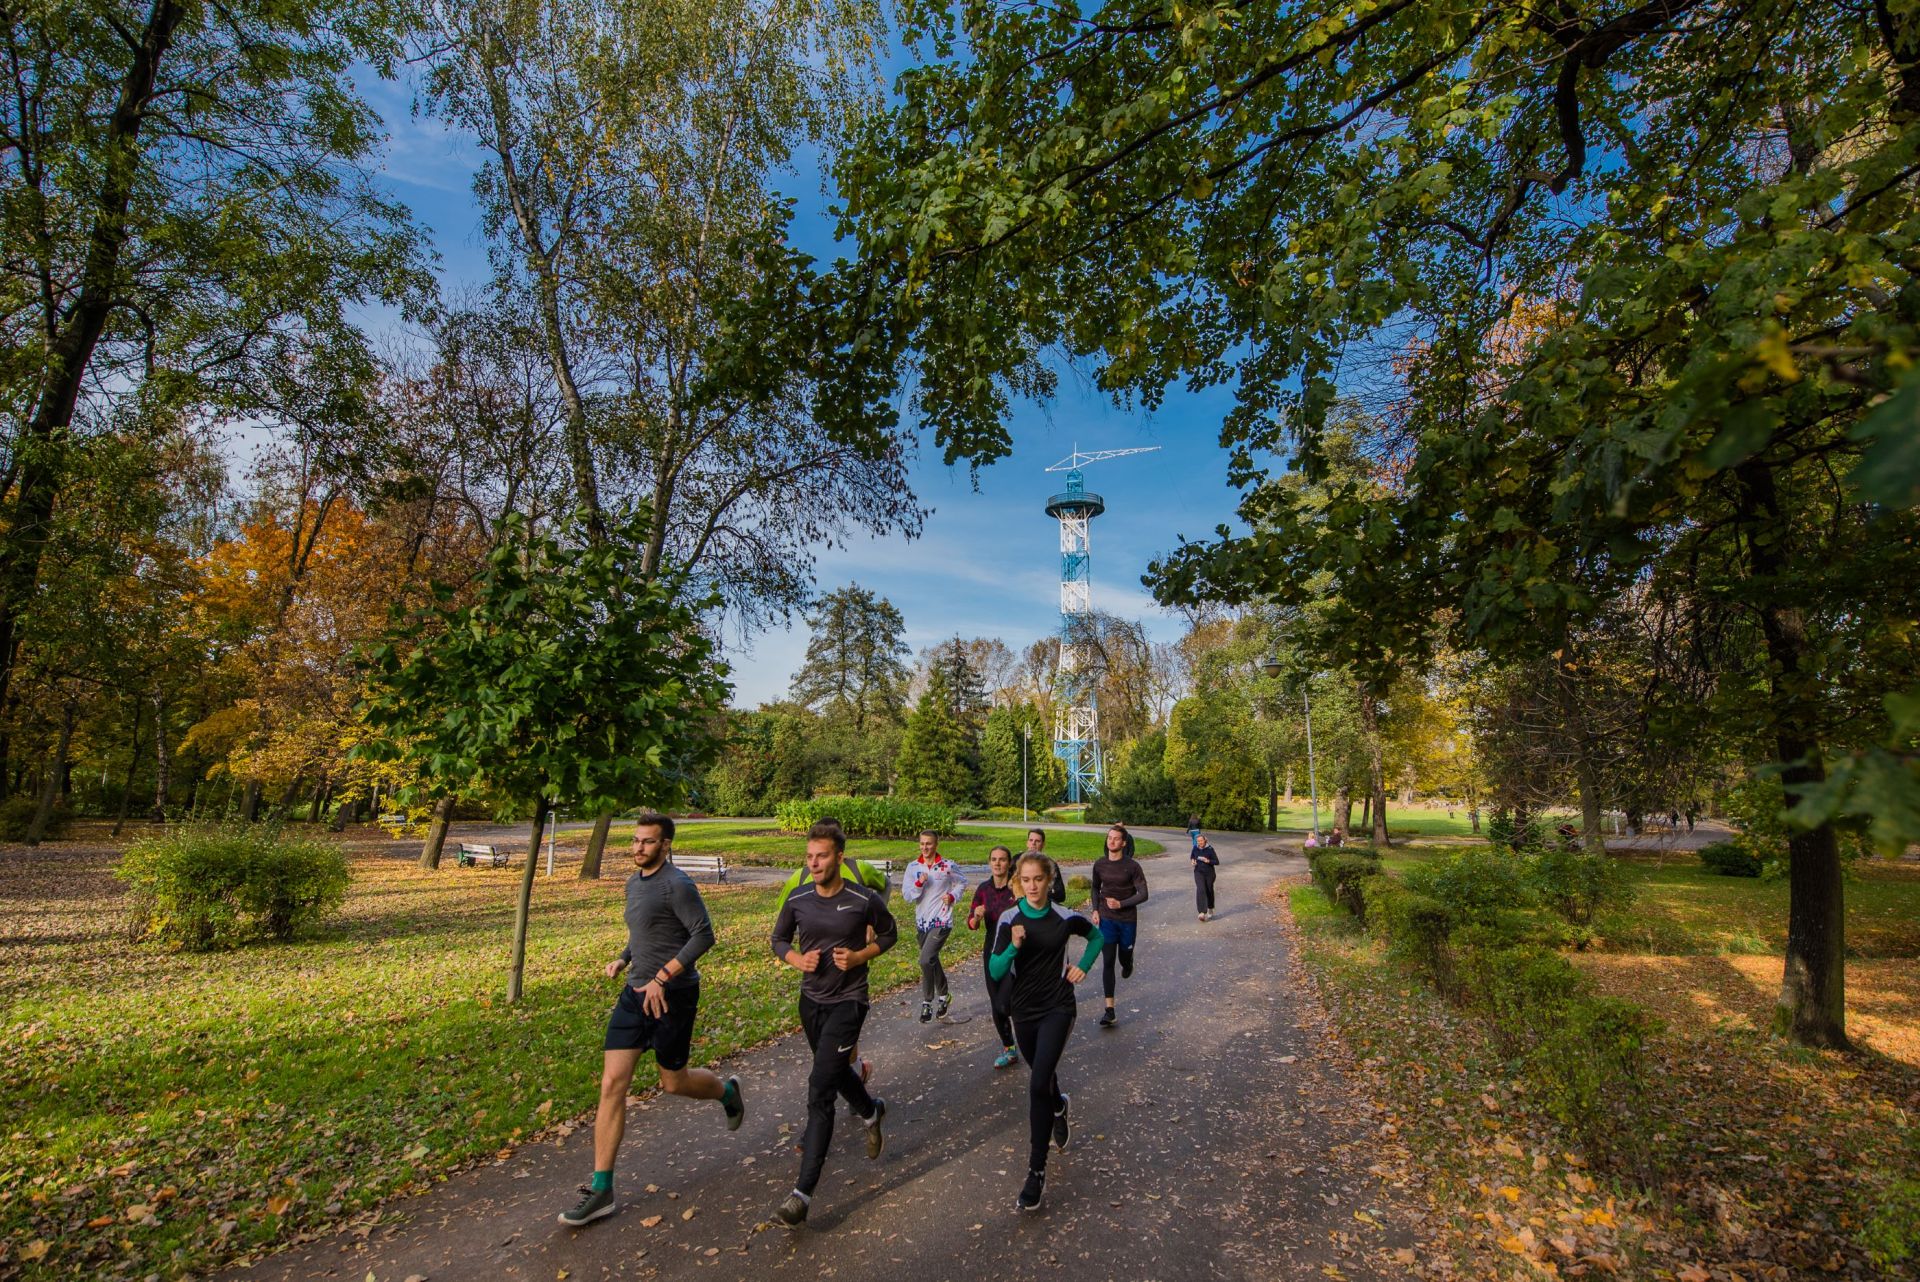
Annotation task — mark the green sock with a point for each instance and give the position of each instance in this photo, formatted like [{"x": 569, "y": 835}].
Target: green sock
[{"x": 603, "y": 1181}]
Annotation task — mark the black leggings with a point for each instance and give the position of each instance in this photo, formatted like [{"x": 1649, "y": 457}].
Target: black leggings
[
  {"x": 831, "y": 1031},
  {"x": 1203, "y": 875},
  {"x": 1041, "y": 1043},
  {"x": 1002, "y": 1024}
]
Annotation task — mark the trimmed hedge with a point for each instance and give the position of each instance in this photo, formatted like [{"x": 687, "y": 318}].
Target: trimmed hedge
[
  {"x": 867, "y": 816},
  {"x": 1731, "y": 859},
  {"x": 216, "y": 888},
  {"x": 1342, "y": 874}
]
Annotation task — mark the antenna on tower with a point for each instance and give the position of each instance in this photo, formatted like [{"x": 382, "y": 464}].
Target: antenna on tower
[{"x": 1076, "y": 717}]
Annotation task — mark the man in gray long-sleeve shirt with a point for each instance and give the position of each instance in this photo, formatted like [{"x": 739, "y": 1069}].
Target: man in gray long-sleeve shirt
[{"x": 667, "y": 931}]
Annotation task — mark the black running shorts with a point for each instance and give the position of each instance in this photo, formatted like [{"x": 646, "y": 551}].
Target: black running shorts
[{"x": 669, "y": 1037}]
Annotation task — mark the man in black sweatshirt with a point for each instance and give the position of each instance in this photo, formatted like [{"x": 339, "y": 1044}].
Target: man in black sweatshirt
[
  {"x": 822, "y": 933},
  {"x": 1119, "y": 888}
]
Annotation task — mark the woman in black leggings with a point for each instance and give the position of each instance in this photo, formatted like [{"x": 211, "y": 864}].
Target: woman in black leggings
[
  {"x": 1206, "y": 863},
  {"x": 1030, "y": 942}
]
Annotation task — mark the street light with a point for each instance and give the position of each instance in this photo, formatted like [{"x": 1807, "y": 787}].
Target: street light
[{"x": 1272, "y": 666}]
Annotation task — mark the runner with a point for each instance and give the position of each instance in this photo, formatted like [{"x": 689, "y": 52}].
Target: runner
[
  {"x": 667, "y": 931},
  {"x": 1119, "y": 888},
  {"x": 932, "y": 884},
  {"x": 830, "y": 918},
  {"x": 1031, "y": 943},
  {"x": 1037, "y": 845},
  {"x": 991, "y": 898},
  {"x": 866, "y": 873},
  {"x": 1206, "y": 864}
]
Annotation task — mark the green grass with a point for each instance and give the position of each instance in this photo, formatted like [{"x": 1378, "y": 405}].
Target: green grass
[
  {"x": 1410, "y": 821},
  {"x": 757, "y": 843},
  {"x": 204, "y": 1107}
]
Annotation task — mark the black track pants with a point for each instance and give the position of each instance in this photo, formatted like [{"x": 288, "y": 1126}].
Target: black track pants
[
  {"x": 832, "y": 1031},
  {"x": 1203, "y": 875}
]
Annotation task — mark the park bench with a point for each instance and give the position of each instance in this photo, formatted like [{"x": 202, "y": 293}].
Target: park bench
[
  {"x": 713, "y": 866},
  {"x": 392, "y": 820},
  {"x": 471, "y": 855}
]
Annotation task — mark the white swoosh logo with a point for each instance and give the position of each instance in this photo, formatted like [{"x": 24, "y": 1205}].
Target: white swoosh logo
[
  {"x": 848, "y": 1047},
  {"x": 847, "y": 908}
]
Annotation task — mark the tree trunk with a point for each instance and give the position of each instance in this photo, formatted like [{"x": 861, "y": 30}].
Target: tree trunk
[
  {"x": 1812, "y": 1009},
  {"x": 596, "y": 845},
  {"x": 162, "y": 760},
  {"x": 1289, "y": 794},
  {"x": 319, "y": 802},
  {"x": 1473, "y": 808},
  {"x": 436, "y": 833},
  {"x": 516, "y": 972},
  {"x": 1273, "y": 799},
  {"x": 75, "y": 333},
  {"x": 133, "y": 764},
  {"x": 50, "y": 791},
  {"x": 284, "y": 806},
  {"x": 1366, "y": 812},
  {"x": 250, "y": 802},
  {"x": 1343, "y": 809},
  {"x": 1376, "y": 771}
]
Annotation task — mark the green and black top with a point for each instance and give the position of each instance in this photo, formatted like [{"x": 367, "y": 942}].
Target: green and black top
[{"x": 1038, "y": 965}]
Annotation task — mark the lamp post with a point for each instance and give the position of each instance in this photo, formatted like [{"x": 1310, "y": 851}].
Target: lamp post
[
  {"x": 1272, "y": 667},
  {"x": 1026, "y": 745}
]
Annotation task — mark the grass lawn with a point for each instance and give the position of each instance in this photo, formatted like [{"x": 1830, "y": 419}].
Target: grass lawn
[
  {"x": 169, "y": 1113},
  {"x": 755, "y": 843},
  {"x": 1770, "y": 1161},
  {"x": 1409, "y": 821}
]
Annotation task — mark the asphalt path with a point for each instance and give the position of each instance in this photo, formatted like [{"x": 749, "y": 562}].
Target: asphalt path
[{"x": 1199, "y": 1149}]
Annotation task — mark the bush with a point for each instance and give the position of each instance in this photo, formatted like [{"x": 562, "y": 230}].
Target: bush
[
  {"x": 1480, "y": 887},
  {"x": 1575, "y": 885},
  {"x": 219, "y": 887},
  {"x": 1340, "y": 875},
  {"x": 1732, "y": 859},
  {"x": 1505, "y": 830},
  {"x": 1416, "y": 927},
  {"x": 16, "y": 816},
  {"x": 867, "y": 816},
  {"x": 1080, "y": 881}
]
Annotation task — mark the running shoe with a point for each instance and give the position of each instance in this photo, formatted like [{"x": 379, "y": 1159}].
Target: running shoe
[
  {"x": 730, "y": 1100},
  {"x": 593, "y": 1205},
  {"x": 940, "y": 1010},
  {"x": 793, "y": 1212},
  {"x": 1108, "y": 1019},
  {"x": 1033, "y": 1192},
  {"x": 926, "y": 1012},
  {"x": 875, "y": 1140},
  {"x": 1060, "y": 1131},
  {"x": 1126, "y": 963},
  {"x": 1008, "y": 1058}
]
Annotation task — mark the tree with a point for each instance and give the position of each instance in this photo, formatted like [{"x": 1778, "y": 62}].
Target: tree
[
  {"x": 569, "y": 678},
  {"x": 1141, "y": 791},
  {"x": 855, "y": 659},
  {"x": 966, "y": 687},
  {"x": 933, "y": 762},
  {"x": 151, "y": 147},
  {"x": 1016, "y": 747}
]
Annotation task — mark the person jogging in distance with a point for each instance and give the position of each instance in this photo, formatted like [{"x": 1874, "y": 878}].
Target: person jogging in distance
[
  {"x": 1037, "y": 845},
  {"x": 822, "y": 932},
  {"x": 1206, "y": 864},
  {"x": 1119, "y": 888},
  {"x": 1030, "y": 943},
  {"x": 932, "y": 884},
  {"x": 992, "y": 898},
  {"x": 667, "y": 931}
]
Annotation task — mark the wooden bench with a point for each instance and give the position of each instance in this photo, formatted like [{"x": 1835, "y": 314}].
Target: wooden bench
[
  {"x": 471, "y": 855},
  {"x": 714, "y": 866},
  {"x": 393, "y": 820}
]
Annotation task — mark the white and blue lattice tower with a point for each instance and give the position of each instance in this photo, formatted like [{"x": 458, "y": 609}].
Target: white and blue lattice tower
[{"x": 1076, "y": 716}]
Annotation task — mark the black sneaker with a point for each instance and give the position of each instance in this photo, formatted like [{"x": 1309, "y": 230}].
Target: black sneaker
[
  {"x": 793, "y": 1212},
  {"x": 1060, "y": 1130},
  {"x": 942, "y": 1006},
  {"x": 736, "y": 1108},
  {"x": 1126, "y": 963},
  {"x": 875, "y": 1140},
  {"x": 926, "y": 1012},
  {"x": 1108, "y": 1019},
  {"x": 1033, "y": 1192},
  {"x": 593, "y": 1205}
]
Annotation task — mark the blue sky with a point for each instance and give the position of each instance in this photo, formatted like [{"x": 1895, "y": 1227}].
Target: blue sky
[{"x": 988, "y": 561}]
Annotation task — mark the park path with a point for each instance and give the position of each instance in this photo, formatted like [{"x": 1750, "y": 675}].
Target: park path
[{"x": 1204, "y": 1145}]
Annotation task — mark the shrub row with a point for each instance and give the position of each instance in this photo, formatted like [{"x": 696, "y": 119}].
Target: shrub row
[
  {"x": 216, "y": 888},
  {"x": 1461, "y": 921},
  {"x": 867, "y": 816}
]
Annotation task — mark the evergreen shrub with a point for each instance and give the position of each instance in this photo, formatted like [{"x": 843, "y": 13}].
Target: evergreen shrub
[
  {"x": 211, "y": 888},
  {"x": 867, "y": 816}
]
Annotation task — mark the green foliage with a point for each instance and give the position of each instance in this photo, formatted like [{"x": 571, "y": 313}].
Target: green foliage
[
  {"x": 1080, "y": 881},
  {"x": 1214, "y": 774},
  {"x": 1342, "y": 875},
  {"x": 867, "y": 816},
  {"x": 571, "y": 675},
  {"x": 16, "y": 816},
  {"x": 1575, "y": 885},
  {"x": 933, "y": 764},
  {"x": 1504, "y": 829},
  {"x": 855, "y": 666},
  {"x": 1731, "y": 859},
  {"x": 1892, "y": 1233},
  {"x": 1416, "y": 926},
  {"x": 202, "y": 889},
  {"x": 1141, "y": 791},
  {"x": 1001, "y": 746},
  {"x": 1479, "y": 887}
]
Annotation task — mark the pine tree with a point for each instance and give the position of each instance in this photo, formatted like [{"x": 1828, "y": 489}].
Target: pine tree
[
  {"x": 853, "y": 666},
  {"x": 1000, "y": 765},
  {"x": 933, "y": 762}
]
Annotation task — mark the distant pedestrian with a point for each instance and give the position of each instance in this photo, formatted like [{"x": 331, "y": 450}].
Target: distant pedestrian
[
  {"x": 992, "y": 898},
  {"x": 1206, "y": 864},
  {"x": 933, "y": 885}
]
